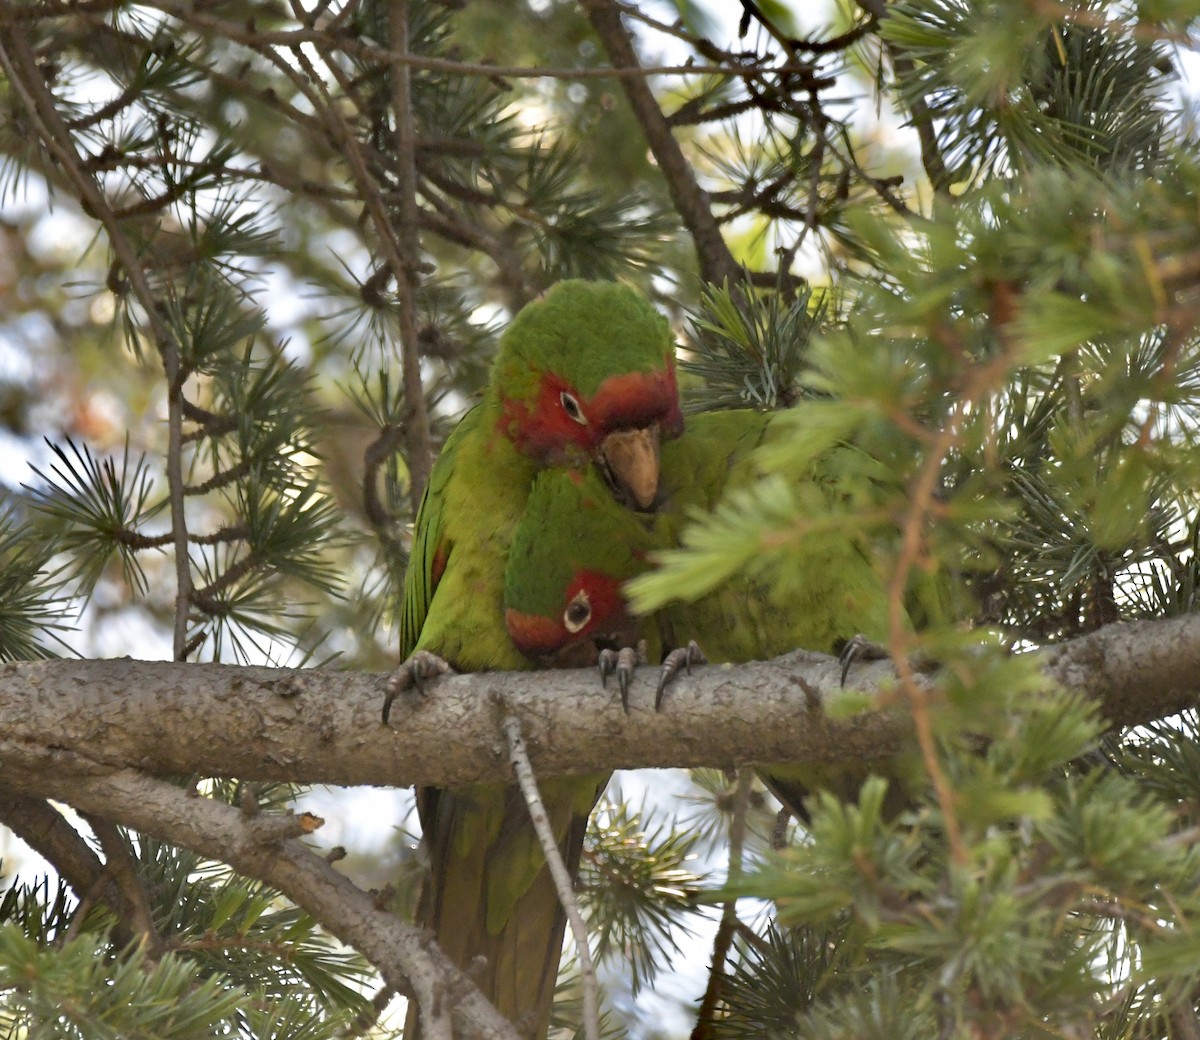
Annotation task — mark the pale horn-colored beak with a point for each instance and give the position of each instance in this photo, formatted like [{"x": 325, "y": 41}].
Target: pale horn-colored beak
[{"x": 629, "y": 461}]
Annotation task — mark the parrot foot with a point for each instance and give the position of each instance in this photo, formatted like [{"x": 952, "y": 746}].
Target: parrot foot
[
  {"x": 622, "y": 663},
  {"x": 684, "y": 657},
  {"x": 859, "y": 648},
  {"x": 415, "y": 672}
]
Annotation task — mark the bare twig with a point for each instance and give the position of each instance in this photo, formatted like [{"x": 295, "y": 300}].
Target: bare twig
[
  {"x": 728, "y": 928},
  {"x": 523, "y": 769},
  {"x": 29, "y": 84},
  {"x": 716, "y": 262},
  {"x": 419, "y": 450}
]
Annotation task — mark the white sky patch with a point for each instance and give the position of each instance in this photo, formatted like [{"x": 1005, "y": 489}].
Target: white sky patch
[{"x": 60, "y": 235}]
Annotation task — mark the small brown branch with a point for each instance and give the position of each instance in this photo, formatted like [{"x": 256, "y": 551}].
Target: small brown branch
[
  {"x": 922, "y": 506},
  {"x": 224, "y": 478},
  {"x": 717, "y": 264},
  {"x": 417, "y": 442},
  {"x": 204, "y": 598},
  {"x": 223, "y": 535},
  {"x": 563, "y": 883},
  {"x": 374, "y": 458},
  {"x": 723, "y": 941}
]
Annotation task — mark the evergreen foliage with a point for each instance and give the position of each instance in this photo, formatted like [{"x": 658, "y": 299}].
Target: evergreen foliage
[{"x": 255, "y": 244}]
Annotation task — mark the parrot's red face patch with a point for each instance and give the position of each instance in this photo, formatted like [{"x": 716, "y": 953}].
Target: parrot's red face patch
[
  {"x": 592, "y": 607},
  {"x": 562, "y": 425}
]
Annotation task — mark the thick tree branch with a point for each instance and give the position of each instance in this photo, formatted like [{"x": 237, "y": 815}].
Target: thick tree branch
[
  {"x": 85, "y": 719},
  {"x": 407, "y": 957}
]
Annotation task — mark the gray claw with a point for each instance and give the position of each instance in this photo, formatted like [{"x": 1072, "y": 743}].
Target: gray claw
[
  {"x": 684, "y": 657},
  {"x": 622, "y": 663},
  {"x": 608, "y": 664},
  {"x": 859, "y": 648},
  {"x": 414, "y": 674}
]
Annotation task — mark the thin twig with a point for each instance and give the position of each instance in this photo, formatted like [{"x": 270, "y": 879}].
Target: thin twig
[
  {"x": 29, "y": 84},
  {"x": 519, "y": 758},
  {"x": 717, "y": 264},
  {"x": 122, "y": 868},
  {"x": 922, "y": 506},
  {"x": 418, "y": 447},
  {"x": 931, "y": 154},
  {"x": 728, "y": 928}
]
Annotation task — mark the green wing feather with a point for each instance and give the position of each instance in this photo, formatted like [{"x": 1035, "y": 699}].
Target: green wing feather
[{"x": 429, "y": 540}]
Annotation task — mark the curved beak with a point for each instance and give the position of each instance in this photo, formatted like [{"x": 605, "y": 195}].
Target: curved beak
[{"x": 629, "y": 461}]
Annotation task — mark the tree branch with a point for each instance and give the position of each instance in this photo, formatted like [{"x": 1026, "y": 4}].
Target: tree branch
[
  {"x": 41, "y": 105},
  {"x": 558, "y": 871},
  {"x": 84, "y": 719},
  {"x": 922, "y": 118},
  {"x": 419, "y": 449},
  {"x": 716, "y": 262},
  {"x": 43, "y": 828},
  {"x": 406, "y": 956}
]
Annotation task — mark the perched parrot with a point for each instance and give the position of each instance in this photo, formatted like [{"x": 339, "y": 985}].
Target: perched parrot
[
  {"x": 574, "y": 551},
  {"x": 584, "y": 376}
]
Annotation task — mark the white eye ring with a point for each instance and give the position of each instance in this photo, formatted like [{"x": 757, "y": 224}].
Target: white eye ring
[
  {"x": 571, "y": 407},
  {"x": 578, "y": 612}
]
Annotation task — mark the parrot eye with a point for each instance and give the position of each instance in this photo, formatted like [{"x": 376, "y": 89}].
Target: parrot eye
[
  {"x": 578, "y": 612},
  {"x": 571, "y": 407}
]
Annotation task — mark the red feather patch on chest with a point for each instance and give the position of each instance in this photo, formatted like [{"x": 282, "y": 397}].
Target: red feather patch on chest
[{"x": 560, "y": 424}]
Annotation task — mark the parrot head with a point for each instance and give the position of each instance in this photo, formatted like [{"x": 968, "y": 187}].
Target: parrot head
[
  {"x": 586, "y": 374},
  {"x": 570, "y": 555}
]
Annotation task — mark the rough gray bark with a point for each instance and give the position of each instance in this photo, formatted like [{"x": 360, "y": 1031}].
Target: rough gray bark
[
  {"x": 93, "y": 733},
  {"x": 88, "y": 718}
]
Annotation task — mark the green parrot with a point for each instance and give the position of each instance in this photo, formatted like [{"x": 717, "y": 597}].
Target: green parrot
[
  {"x": 583, "y": 376},
  {"x": 573, "y": 553}
]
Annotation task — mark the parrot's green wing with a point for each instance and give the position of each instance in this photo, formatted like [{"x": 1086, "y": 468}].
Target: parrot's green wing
[{"x": 431, "y": 546}]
